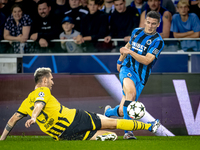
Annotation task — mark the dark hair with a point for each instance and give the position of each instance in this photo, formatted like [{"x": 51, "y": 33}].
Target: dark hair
[
  {"x": 118, "y": 0},
  {"x": 43, "y": 1},
  {"x": 16, "y": 5},
  {"x": 154, "y": 14},
  {"x": 40, "y": 73},
  {"x": 97, "y": 2}
]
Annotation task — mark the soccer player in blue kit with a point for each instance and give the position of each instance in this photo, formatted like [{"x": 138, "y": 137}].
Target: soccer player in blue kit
[{"x": 135, "y": 63}]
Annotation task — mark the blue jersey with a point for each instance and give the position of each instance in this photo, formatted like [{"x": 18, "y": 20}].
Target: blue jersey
[{"x": 143, "y": 43}]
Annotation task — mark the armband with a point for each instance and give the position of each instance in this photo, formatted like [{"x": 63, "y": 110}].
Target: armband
[{"x": 119, "y": 62}]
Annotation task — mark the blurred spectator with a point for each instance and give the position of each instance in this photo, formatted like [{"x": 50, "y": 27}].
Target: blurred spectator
[
  {"x": 45, "y": 27},
  {"x": 122, "y": 22},
  {"x": 139, "y": 5},
  {"x": 76, "y": 12},
  {"x": 108, "y": 7},
  {"x": 17, "y": 28},
  {"x": 84, "y": 4},
  {"x": 2, "y": 22},
  {"x": 4, "y": 9},
  {"x": 69, "y": 33},
  {"x": 169, "y": 5},
  {"x": 93, "y": 27},
  {"x": 195, "y": 9},
  {"x": 28, "y": 7},
  {"x": 36, "y": 1},
  {"x": 59, "y": 7},
  {"x": 165, "y": 23},
  {"x": 186, "y": 25}
]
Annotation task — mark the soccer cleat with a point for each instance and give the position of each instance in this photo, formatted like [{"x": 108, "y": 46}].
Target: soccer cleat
[
  {"x": 106, "y": 108},
  {"x": 154, "y": 125},
  {"x": 129, "y": 136},
  {"x": 106, "y": 137}
]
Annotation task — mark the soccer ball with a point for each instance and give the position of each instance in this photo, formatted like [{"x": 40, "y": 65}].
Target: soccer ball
[{"x": 136, "y": 110}]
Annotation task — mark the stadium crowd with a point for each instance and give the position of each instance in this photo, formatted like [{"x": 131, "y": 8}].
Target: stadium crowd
[{"x": 87, "y": 21}]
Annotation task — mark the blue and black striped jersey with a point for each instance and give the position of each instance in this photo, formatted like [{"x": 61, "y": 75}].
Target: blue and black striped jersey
[{"x": 143, "y": 43}]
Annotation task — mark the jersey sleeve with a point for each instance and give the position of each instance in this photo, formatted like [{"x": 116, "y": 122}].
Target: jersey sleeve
[
  {"x": 132, "y": 34},
  {"x": 157, "y": 48},
  {"x": 23, "y": 109},
  {"x": 43, "y": 94}
]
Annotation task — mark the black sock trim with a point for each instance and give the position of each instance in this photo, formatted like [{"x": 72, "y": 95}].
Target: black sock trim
[
  {"x": 118, "y": 112},
  {"x": 126, "y": 103}
]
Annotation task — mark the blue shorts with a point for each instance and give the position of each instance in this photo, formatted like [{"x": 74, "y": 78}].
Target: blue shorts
[{"x": 126, "y": 72}]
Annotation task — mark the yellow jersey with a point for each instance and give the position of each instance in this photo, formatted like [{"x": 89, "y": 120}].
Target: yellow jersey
[{"x": 54, "y": 118}]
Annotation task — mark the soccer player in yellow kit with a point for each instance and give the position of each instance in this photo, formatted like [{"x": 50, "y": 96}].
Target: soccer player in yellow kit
[{"x": 63, "y": 123}]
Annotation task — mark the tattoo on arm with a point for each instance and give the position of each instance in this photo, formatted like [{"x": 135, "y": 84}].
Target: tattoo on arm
[
  {"x": 8, "y": 127},
  {"x": 166, "y": 16}
]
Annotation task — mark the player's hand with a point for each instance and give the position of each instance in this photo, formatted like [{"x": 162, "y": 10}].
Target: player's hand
[
  {"x": 62, "y": 38},
  {"x": 43, "y": 43},
  {"x": 127, "y": 38},
  {"x": 107, "y": 39},
  {"x": 30, "y": 122},
  {"x": 124, "y": 50},
  {"x": 34, "y": 36},
  {"x": 118, "y": 67}
]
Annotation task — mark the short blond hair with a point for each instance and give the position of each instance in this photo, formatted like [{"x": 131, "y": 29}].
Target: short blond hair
[
  {"x": 183, "y": 2},
  {"x": 40, "y": 73}
]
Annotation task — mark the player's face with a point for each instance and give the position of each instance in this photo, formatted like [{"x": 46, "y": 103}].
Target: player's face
[
  {"x": 92, "y": 7},
  {"x": 67, "y": 26},
  {"x": 17, "y": 13},
  {"x": 43, "y": 10},
  {"x": 151, "y": 25},
  {"x": 183, "y": 10},
  {"x": 154, "y": 4},
  {"x": 50, "y": 82},
  {"x": 74, "y": 3},
  {"x": 120, "y": 6}
]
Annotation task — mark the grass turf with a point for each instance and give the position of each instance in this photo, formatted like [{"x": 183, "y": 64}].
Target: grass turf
[{"x": 142, "y": 143}]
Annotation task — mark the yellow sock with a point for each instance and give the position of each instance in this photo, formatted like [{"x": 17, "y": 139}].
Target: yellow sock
[{"x": 131, "y": 125}]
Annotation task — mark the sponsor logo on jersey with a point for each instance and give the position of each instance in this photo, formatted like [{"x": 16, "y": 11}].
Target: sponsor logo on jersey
[{"x": 138, "y": 47}]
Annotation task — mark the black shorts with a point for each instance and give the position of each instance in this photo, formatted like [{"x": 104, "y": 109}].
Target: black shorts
[{"x": 84, "y": 126}]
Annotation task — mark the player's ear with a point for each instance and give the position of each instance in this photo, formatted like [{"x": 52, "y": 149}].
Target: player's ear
[
  {"x": 158, "y": 25},
  {"x": 44, "y": 80}
]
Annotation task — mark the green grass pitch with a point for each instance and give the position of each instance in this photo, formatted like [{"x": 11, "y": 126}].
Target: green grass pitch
[{"x": 142, "y": 143}]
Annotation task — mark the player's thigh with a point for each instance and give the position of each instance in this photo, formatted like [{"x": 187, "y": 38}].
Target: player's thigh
[{"x": 129, "y": 86}]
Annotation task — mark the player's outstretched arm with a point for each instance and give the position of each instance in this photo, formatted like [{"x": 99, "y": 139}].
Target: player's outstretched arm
[
  {"x": 36, "y": 111},
  {"x": 146, "y": 60},
  {"x": 11, "y": 123}
]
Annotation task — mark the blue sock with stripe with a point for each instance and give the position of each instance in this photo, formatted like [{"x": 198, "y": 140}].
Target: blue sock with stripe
[{"x": 112, "y": 112}]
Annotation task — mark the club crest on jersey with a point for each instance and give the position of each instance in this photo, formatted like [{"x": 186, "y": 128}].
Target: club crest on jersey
[
  {"x": 129, "y": 75},
  {"x": 149, "y": 42},
  {"x": 41, "y": 94},
  {"x": 138, "y": 46}
]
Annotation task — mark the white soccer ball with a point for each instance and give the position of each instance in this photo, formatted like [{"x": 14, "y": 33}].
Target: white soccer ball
[{"x": 136, "y": 110}]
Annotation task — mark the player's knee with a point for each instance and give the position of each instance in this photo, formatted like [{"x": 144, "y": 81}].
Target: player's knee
[{"x": 130, "y": 96}]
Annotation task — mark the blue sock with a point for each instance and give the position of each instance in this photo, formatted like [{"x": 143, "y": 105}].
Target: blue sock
[
  {"x": 112, "y": 112},
  {"x": 126, "y": 103}
]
